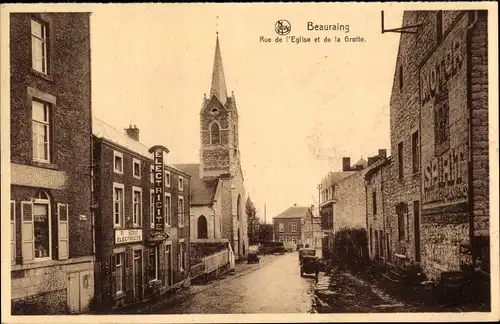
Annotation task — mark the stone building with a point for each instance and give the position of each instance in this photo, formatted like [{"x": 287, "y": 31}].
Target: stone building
[
  {"x": 218, "y": 194},
  {"x": 439, "y": 139},
  {"x": 312, "y": 234},
  {"x": 287, "y": 226},
  {"x": 343, "y": 195},
  {"x": 50, "y": 217},
  {"x": 133, "y": 263}
]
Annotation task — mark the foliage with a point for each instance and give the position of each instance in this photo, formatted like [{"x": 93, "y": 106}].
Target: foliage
[
  {"x": 265, "y": 232},
  {"x": 253, "y": 221}
]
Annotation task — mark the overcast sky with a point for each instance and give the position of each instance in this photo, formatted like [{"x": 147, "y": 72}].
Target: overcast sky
[{"x": 302, "y": 106}]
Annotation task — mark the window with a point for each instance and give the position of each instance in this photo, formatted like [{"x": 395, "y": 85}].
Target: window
[
  {"x": 168, "y": 209},
  {"x": 36, "y": 232},
  {"x": 442, "y": 124},
  {"x": 152, "y": 175},
  {"x": 120, "y": 272},
  {"x": 415, "y": 152},
  {"x": 288, "y": 238},
  {"x": 294, "y": 227},
  {"x": 41, "y": 131},
  {"x": 294, "y": 240},
  {"x": 215, "y": 133},
  {"x": 154, "y": 263},
  {"x": 137, "y": 168},
  {"x": 401, "y": 77},
  {"x": 281, "y": 227},
  {"x": 167, "y": 178},
  {"x": 439, "y": 26},
  {"x": 39, "y": 49},
  {"x": 280, "y": 238},
  {"x": 374, "y": 202},
  {"x": 400, "y": 160},
  {"x": 118, "y": 162},
  {"x": 181, "y": 211},
  {"x": 137, "y": 206},
  {"x": 13, "y": 231},
  {"x": 118, "y": 205},
  {"x": 152, "y": 208},
  {"x": 181, "y": 183},
  {"x": 402, "y": 211}
]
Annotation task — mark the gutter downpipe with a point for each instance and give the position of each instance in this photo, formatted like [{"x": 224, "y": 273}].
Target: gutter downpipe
[{"x": 470, "y": 26}]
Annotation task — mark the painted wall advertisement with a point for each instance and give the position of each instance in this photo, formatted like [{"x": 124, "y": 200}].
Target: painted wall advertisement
[{"x": 444, "y": 125}]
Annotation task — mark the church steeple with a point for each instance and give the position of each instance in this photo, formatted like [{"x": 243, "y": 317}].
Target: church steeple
[{"x": 218, "y": 87}]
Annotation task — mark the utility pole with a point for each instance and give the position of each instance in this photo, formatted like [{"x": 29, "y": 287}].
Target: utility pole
[{"x": 319, "y": 208}]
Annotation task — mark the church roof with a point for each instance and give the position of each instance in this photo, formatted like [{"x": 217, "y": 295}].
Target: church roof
[
  {"x": 202, "y": 189},
  {"x": 294, "y": 212},
  {"x": 218, "y": 87}
]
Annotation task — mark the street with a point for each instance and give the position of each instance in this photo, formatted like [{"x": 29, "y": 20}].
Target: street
[{"x": 276, "y": 287}]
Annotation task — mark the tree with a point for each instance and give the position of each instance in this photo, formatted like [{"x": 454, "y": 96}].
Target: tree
[
  {"x": 252, "y": 221},
  {"x": 265, "y": 232}
]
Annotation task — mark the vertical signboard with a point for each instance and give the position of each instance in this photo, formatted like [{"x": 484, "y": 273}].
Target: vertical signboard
[{"x": 159, "y": 187}]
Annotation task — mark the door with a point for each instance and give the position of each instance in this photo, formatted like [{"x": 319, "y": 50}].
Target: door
[
  {"x": 416, "y": 228},
  {"x": 137, "y": 274},
  {"x": 168, "y": 265},
  {"x": 80, "y": 290},
  {"x": 73, "y": 292}
]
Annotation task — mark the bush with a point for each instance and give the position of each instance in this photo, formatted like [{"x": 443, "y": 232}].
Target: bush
[{"x": 350, "y": 247}]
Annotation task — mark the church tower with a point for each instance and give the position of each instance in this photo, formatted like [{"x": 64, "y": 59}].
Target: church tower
[{"x": 219, "y": 150}]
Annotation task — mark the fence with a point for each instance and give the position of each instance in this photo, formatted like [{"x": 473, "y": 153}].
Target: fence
[{"x": 215, "y": 261}]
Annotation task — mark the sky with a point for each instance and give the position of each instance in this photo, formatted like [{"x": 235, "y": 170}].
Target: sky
[{"x": 302, "y": 107}]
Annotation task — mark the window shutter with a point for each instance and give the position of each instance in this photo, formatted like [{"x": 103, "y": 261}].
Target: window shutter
[
  {"x": 62, "y": 231},
  {"x": 112, "y": 270},
  {"x": 13, "y": 232},
  {"x": 27, "y": 239},
  {"x": 127, "y": 270}
]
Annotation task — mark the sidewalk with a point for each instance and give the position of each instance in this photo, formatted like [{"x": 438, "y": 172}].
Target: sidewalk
[{"x": 241, "y": 269}]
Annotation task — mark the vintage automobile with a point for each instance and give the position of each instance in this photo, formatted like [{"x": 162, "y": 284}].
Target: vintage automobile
[
  {"x": 271, "y": 248},
  {"x": 309, "y": 265},
  {"x": 306, "y": 251},
  {"x": 252, "y": 257}
]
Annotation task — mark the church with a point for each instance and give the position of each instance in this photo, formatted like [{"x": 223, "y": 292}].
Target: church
[{"x": 217, "y": 184}]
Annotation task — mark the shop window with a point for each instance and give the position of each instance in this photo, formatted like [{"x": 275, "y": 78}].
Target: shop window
[{"x": 154, "y": 263}]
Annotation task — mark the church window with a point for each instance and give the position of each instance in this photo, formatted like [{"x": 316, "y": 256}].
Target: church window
[
  {"x": 214, "y": 134},
  {"x": 214, "y": 111}
]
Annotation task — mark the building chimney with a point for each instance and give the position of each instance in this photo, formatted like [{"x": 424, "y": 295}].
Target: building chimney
[
  {"x": 372, "y": 160},
  {"x": 382, "y": 153},
  {"x": 346, "y": 164},
  {"x": 133, "y": 132}
]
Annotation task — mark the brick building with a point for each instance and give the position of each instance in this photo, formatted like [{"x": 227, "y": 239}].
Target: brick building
[
  {"x": 287, "y": 226},
  {"x": 51, "y": 225},
  {"x": 439, "y": 139},
  {"x": 132, "y": 262},
  {"x": 218, "y": 191}
]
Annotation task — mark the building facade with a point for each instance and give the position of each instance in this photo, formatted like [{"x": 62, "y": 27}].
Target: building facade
[
  {"x": 133, "y": 262},
  {"x": 439, "y": 136},
  {"x": 50, "y": 220},
  {"x": 287, "y": 226},
  {"x": 218, "y": 192},
  {"x": 344, "y": 199},
  {"x": 312, "y": 234}
]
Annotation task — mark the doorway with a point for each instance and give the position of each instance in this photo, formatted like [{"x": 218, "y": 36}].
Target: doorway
[
  {"x": 202, "y": 227},
  {"x": 137, "y": 270},
  {"x": 416, "y": 228}
]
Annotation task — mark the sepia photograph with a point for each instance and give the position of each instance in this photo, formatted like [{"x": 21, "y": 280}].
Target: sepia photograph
[{"x": 249, "y": 162}]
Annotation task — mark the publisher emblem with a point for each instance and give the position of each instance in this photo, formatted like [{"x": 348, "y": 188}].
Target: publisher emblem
[{"x": 283, "y": 27}]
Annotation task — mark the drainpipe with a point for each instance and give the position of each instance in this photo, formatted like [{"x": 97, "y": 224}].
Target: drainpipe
[
  {"x": 470, "y": 142},
  {"x": 383, "y": 211}
]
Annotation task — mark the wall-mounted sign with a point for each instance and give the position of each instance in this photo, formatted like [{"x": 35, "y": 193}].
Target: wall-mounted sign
[
  {"x": 128, "y": 236},
  {"x": 159, "y": 187}
]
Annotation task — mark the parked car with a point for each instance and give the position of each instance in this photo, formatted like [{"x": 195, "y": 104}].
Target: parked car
[
  {"x": 309, "y": 265},
  {"x": 306, "y": 251},
  {"x": 271, "y": 248}
]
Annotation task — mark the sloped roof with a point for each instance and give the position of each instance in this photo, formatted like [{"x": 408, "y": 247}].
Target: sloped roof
[
  {"x": 294, "y": 212},
  {"x": 361, "y": 162},
  {"x": 335, "y": 177},
  {"x": 202, "y": 189},
  {"x": 103, "y": 130},
  {"x": 218, "y": 87}
]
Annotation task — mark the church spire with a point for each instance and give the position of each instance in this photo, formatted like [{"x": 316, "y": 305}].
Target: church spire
[{"x": 218, "y": 87}]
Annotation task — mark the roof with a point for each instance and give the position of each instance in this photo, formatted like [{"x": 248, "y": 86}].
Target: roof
[
  {"x": 103, "y": 130},
  {"x": 294, "y": 212},
  {"x": 336, "y": 177},
  {"x": 202, "y": 189},
  {"x": 361, "y": 162},
  {"x": 218, "y": 87}
]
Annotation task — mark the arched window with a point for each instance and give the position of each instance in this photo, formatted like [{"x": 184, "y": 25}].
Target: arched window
[
  {"x": 202, "y": 227},
  {"x": 214, "y": 133}
]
